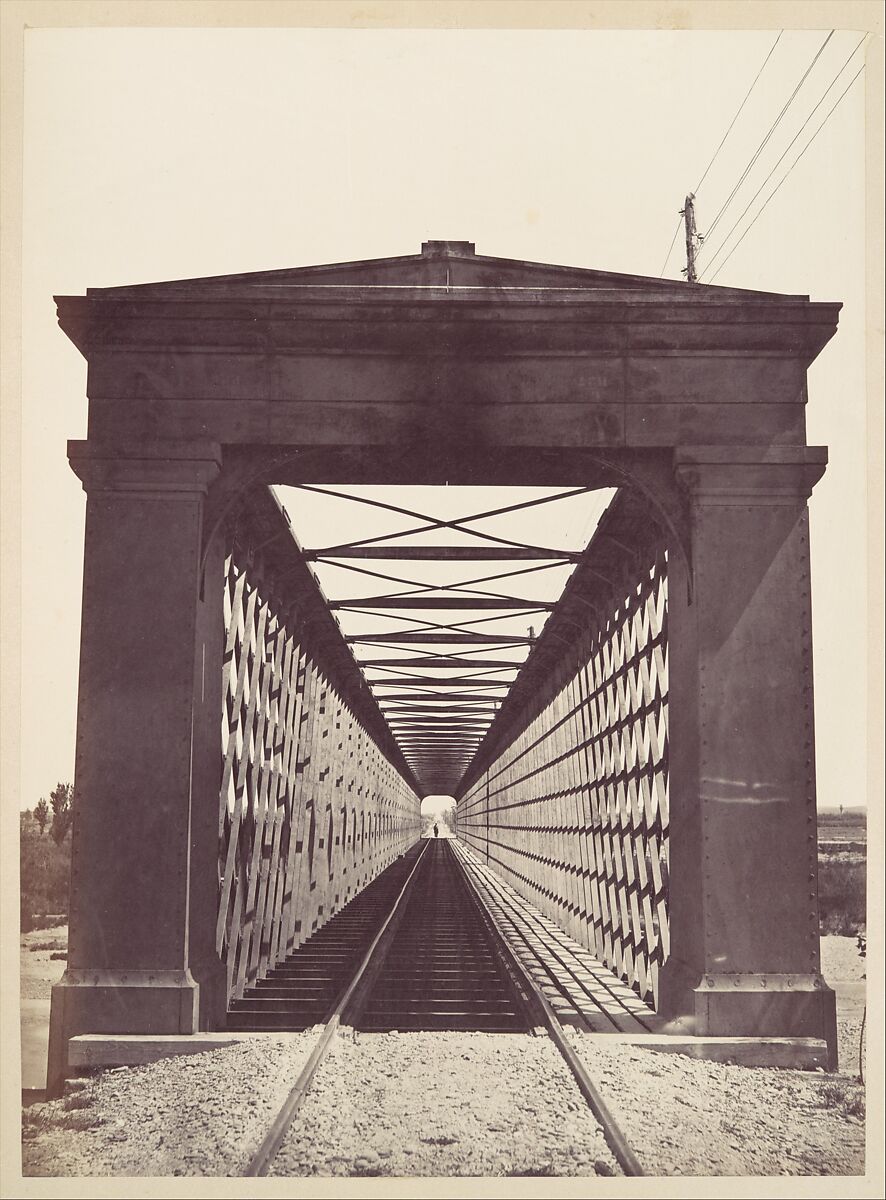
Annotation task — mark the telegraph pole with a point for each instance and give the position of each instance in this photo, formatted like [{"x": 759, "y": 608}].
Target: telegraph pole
[{"x": 691, "y": 239}]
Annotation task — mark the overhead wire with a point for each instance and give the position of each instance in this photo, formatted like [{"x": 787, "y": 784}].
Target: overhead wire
[
  {"x": 670, "y": 248},
  {"x": 784, "y": 155},
  {"x": 772, "y": 128},
  {"x": 787, "y": 173},
  {"x": 738, "y": 114},
  {"x": 722, "y": 141}
]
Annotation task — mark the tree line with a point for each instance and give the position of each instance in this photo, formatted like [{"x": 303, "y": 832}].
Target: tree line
[{"x": 45, "y": 857}]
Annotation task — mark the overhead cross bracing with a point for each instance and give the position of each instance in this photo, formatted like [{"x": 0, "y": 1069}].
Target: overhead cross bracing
[{"x": 441, "y": 593}]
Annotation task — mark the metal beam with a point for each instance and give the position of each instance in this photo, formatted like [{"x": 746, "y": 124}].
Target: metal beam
[
  {"x": 461, "y": 639},
  {"x": 447, "y": 727},
  {"x": 436, "y": 602},
  {"x": 429, "y": 741},
  {"x": 436, "y": 695},
  {"x": 429, "y": 714},
  {"x": 429, "y": 702},
  {"x": 408, "y": 681},
  {"x": 440, "y": 727},
  {"x": 440, "y": 736},
  {"x": 475, "y": 700},
  {"x": 437, "y": 761},
  {"x": 444, "y": 553},
  {"x": 430, "y": 718},
  {"x": 439, "y": 661}
]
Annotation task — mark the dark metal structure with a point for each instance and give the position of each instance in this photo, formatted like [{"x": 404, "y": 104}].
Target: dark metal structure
[{"x": 643, "y": 769}]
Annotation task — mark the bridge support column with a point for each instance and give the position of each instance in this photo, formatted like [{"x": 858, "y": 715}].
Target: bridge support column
[
  {"x": 148, "y": 709},
  {"x": 743, "y": 878}
]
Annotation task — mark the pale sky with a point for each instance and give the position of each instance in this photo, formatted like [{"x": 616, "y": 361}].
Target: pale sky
[{"x": 162, "y": 154}]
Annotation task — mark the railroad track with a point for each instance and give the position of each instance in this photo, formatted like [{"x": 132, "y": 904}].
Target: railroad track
[{"x": 421, "y": 952}]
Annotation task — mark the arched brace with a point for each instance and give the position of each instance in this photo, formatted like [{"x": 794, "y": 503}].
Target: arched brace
[
  {"x": 649, "y": 472},
  {"x": 654, "y": 477},
  {"x": 237, "y": 477}
]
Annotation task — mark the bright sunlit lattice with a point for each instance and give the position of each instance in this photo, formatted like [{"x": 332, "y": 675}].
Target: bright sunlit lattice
[
  {"x": 310, "y": 808},
  {"x": 574, "y": 813}
]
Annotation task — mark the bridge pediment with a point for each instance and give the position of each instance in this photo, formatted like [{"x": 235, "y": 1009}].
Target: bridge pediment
[
  {"x": 447, "y": 349},
  {"x": 450, "y": 265}
]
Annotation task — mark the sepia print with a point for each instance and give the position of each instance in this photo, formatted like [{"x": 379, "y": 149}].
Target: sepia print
[{"x": 443, "y": 474}]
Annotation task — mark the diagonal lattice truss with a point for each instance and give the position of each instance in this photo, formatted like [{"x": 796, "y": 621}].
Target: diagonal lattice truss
[
  {"x": 574, "y": 811},
  {"x": 441, "y": 610},
  {"x": 314, "y": 801}
]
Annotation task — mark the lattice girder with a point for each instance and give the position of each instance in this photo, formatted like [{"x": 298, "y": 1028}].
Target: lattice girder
[
  {"x": 587, "y": 779},
  {"x": 296, "y": 767}
]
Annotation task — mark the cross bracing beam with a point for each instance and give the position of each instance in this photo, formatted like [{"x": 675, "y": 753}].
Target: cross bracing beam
[
  {"x": 436, "y": 753},
  {"x": 445, "y": 553},
  {"x": 435, "y": 716},
  {"x": 425, "y": 722},
  {"x": 441, "y": 602},
  {"x": 451, "y": 748},
  {"x": 407, "y": 745},
  {"x": 435, "y": 763},
  {"x": 445, "y": 718},
  {"x": 431, "y": 700},
  {"x": 434, "y": 744},
  {"x": 459, "y": 696},
  {"x": 476, "y": 639},
  {"x": 432, "y": 714},
  {"x": 408, "y": 682},
  {"x": 439, "y": 759},
  {"x": 421, "y": 701},
  {"x": 429, "y": 717},
  {"x": 462, "y": 524},
  {"x": 441, "y": 725},
  {"x": 466, "y": 748},
  {"x": 439, "y": 743},
  {"x": 441, "y": 735},
  {"x": 442, "y": 742},
  {"x": 430, "y": 660}
]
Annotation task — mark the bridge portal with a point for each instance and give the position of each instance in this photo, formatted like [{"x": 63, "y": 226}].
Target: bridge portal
[{"x": 649, "y": 778}]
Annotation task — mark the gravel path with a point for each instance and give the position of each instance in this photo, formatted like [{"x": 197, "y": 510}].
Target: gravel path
[
  {"x": 444, "y": 1104},
  {"x": 682, "y": 1116},
  {"x": 200, "y": 1114}
]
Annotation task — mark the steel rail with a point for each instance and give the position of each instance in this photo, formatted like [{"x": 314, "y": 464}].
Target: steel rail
[
  {"x": 264, "y": 1155},
  {"x": 527, "y": 993},
  {"x": 615, "y": 1139}
]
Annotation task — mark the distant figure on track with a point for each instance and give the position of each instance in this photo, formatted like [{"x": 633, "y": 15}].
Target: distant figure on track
[{"x": 436, "y": 830}]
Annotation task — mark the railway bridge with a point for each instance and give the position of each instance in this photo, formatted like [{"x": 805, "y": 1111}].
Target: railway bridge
[{"x": 639, "y": 763}]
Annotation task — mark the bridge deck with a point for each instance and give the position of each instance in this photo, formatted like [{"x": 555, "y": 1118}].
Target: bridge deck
[{"x": 581, "y": 989}]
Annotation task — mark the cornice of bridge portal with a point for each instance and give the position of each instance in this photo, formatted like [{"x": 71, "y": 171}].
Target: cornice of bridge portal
[
  {"x": 446, "y": 289},
  {"x": 449, "y": 349}
]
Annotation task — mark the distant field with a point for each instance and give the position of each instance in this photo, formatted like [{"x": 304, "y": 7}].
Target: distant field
[
  {"x": 842, "y": 878},
  {"x": 848, "y": 826}
]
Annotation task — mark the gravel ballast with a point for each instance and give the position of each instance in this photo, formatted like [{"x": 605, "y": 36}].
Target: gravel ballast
[
  {"x": 198, "y": 1114},
  {"x": 460, "y": 1104},
  {"x": 444, "y": 1104},
  {"x": 683, "y": 1116}
]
